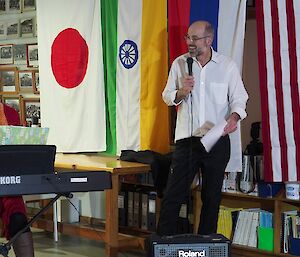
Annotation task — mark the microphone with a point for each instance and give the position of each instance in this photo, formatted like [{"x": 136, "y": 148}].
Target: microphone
[{"x": 190, "y": 61}]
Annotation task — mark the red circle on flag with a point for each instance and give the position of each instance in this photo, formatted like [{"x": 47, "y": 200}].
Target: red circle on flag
[{"x": 69, "y": 58}]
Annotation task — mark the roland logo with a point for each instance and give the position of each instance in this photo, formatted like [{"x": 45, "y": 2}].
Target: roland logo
[
  {"x": 9, "y": 180},
  {"x": 182, "y": 253}
]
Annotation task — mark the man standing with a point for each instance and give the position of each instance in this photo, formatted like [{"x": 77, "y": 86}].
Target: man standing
[{"x": 213, "y": 92}]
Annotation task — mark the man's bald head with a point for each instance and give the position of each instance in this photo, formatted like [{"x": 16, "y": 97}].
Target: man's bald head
[
  {"x": 199, "y": 39},
  {"x": 203, "y": 27}
]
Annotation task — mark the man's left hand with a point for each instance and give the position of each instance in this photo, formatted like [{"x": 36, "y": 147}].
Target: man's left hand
[{"x": 231, "y": 123}]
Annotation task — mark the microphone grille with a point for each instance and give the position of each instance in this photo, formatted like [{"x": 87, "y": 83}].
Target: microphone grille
[{"x": 189, "y": 60}]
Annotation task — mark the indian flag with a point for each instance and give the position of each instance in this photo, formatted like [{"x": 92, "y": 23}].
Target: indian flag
[{"x": 136, "y": 68}]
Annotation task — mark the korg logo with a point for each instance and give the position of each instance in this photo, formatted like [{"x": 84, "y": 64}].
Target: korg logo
[
  {"x": 10, "y": 180},
  {"x": 190, "y": 253}
]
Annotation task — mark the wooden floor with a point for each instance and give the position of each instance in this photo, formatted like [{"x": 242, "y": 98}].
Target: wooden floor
[
  {"x": 69, "y": 246},
  {"x": 74, "y": 246}
]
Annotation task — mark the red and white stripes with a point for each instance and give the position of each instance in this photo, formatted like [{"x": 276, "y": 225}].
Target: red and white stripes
[{"x": 278, "y": 50}]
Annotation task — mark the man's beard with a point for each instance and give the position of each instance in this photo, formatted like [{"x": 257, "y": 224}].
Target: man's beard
[
  {"x": 192, "y": 50},
  {"x": 195, "y": 52}
]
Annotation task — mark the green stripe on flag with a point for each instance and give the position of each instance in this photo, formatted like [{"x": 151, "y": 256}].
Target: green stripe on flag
[{"x": 109, "y": 15}]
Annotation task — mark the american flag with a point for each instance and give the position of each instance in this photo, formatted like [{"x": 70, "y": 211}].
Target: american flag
[{"x": 278, "y": 33}]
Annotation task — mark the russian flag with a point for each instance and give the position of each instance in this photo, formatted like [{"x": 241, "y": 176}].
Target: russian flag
[{"x": 228, "y": 19}]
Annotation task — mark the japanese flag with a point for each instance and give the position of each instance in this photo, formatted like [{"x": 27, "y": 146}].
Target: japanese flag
[{"x": 71, "y": 74}]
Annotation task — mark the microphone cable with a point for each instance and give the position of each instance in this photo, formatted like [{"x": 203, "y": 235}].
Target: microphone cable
[{"x": 190, "y": 61}]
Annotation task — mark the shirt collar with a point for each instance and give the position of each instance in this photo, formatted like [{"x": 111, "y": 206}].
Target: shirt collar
[{"x": 215, "y": 57}]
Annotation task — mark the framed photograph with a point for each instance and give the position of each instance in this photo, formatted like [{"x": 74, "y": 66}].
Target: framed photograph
[
  {"x": 12, "y": 29},
  {"x": 26, "y": 27},
  {"x": 36, "y": 82},
  {"x": 14, "y": 102},
  {"x": 31, "y": 110},
  {"x": 9, "y": 80},
  {"x": 2, "y": 6},
  {"x": 28, "y": 5},
  {"x": 19, "y": 53},
  {"x": 32, "y": 55},
  {"x": 25, "y": 81},
  {"x": 3, "y": 30},
  {"x": 14, "y": 6},
  {"x": 6, "y": 54}
]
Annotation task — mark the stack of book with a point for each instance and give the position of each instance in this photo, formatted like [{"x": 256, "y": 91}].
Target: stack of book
[
  {"x": 137, "y": 209},
  {"x": 253, "y": 228},
  {"x": 290, "y": 232},
  {"x": 227, "y": 216}
]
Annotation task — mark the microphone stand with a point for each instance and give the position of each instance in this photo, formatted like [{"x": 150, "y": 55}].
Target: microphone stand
[{"x": 5, "y": 247}]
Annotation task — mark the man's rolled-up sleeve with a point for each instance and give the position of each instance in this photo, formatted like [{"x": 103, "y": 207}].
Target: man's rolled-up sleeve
[{"x": 238, "y": 95}]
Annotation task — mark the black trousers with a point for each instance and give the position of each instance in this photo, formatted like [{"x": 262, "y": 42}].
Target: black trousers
[{"x": 189, "y": 156}]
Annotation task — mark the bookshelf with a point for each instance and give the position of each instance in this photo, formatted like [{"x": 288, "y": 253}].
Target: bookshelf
[
  {"x": 88, "y": 227},
  {"x": 277, "y": 205}
]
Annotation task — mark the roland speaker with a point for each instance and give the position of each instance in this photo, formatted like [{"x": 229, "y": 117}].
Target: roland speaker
[{"x": 188, "y": 245}]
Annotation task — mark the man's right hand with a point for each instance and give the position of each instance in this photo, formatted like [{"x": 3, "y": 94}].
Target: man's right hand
[{"x": 188, "y": 85}]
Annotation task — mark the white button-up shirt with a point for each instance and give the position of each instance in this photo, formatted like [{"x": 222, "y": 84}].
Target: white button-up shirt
[{"x": 218, "y": 91}]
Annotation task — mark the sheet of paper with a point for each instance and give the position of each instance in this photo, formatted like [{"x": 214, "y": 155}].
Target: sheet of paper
[
  {"x": 200, "y": 132},
  {"x": 213, "y": 135}
]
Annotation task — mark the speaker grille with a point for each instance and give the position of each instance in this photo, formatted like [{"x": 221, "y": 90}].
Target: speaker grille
[{"x": 183, "y": 250}]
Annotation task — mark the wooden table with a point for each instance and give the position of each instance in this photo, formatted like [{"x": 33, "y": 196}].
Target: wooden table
[{"x": 95, "y": 162}]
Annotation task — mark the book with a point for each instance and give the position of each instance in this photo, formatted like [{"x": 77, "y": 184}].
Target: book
[
  {"x": 136, "y": 209},
  {"x": 247, "y": 227},
  {"x": 144, "y": 211},
  {"x": 265, "y": 238},
  {"x": 122, "y": 207},
  {"x": 152, "y": 211},
  {"x": 130, "y": 208},
  {"x": 252, "y": 242}
]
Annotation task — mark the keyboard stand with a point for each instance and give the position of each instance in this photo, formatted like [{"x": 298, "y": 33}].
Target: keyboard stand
[{"x": 5, "y": 247}]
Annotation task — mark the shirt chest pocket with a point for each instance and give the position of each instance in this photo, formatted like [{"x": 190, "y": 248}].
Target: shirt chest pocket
[{"x": 219, "y": 92}]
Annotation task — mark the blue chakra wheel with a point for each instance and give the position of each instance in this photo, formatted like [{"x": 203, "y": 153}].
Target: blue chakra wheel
[{"x": 128, "y": 54}]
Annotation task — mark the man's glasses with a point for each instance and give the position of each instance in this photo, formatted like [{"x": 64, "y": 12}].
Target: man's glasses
[{"x": 193, "y": 38}]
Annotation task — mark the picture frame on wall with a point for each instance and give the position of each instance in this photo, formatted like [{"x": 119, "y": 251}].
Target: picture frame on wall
[
  {"x": 28, "y": 5},
  {"x": 9, "y": 80},
  {"x": 2, "y": 6},
  {"x": 6, "y": 54},
  {"x": 12, "y": 29},
  {"x": 3, "y": 30},
  {"x": 14, "y": 6},
  {"x": 20, "y": 53},
  {"x": 36, "y": 82},
  {"x": 26, "y": 27},
  {"x": 25, "y": 81},
  {"x": 14, "y": 102},
  {"x": 32, "y": 55},
  {"x": 31, "y": 110}
]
